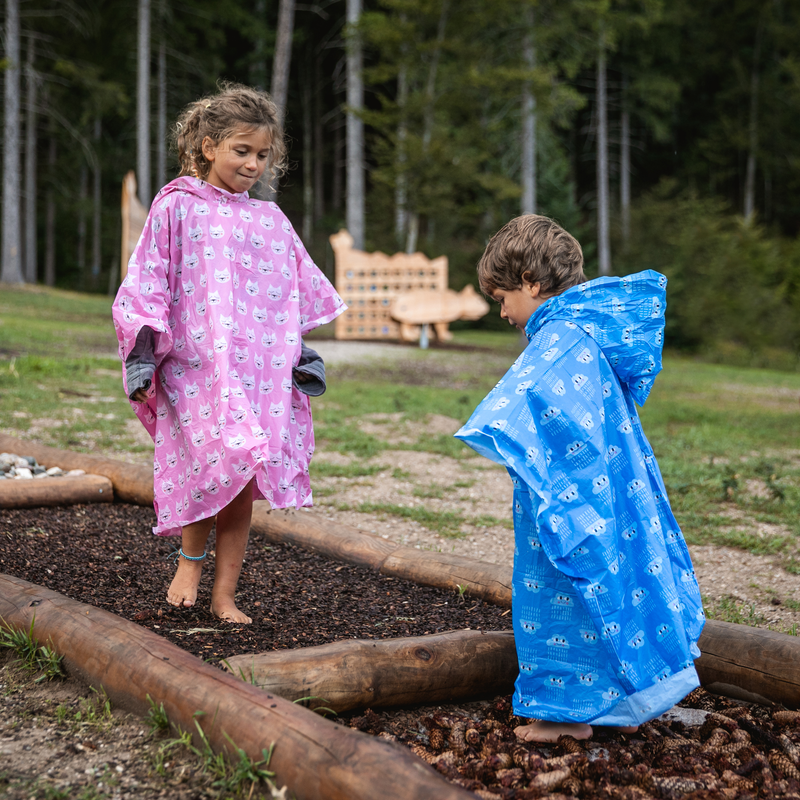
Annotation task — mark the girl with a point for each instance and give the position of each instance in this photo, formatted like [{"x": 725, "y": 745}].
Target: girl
[{"x": 218, "y": 293}]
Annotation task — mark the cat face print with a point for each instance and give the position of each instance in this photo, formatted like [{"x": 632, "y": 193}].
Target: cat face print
[
  {"x": 278, "y": 361},
  {"x": 282, "y": 317},
  {"x": 265, "y": 267},
  {"x": 251, "y": 287},
  {"x": 222, "y": 275}
]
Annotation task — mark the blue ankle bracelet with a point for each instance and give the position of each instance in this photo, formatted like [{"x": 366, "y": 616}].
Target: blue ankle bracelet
[{"x": 179, "y": 552}]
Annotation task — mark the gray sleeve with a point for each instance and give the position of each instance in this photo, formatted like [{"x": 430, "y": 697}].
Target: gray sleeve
[
  {"x": 311, "y": 365},
  {"x": 140, "y": 365}
]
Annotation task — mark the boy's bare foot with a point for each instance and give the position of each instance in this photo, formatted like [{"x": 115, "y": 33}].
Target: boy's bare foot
[
  {"x": 182, "y": 591},
  {"x": 225, "y": 609},
  {"x": 543, "y": 731}
]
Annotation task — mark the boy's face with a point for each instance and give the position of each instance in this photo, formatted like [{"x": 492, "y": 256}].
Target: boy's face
[{"x": 518, "y": 305}]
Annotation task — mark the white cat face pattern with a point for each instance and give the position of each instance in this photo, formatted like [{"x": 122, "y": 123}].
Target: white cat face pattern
[
  {"x": 602, "y": 574},
  {"x": 224, "y": 272}
]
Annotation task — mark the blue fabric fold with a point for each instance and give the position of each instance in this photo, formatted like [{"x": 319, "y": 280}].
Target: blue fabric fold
[{"x": 606, "y": 606}]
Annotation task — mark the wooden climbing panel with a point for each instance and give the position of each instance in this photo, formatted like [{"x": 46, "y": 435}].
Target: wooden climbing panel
[{"x": 368, "y": 282}]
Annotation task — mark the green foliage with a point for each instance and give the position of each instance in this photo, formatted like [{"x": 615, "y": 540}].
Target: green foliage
[
  {"x": 157, "y": 717},
  {"x": 234, "y": 774},
  {"x": 734, "y": 289},
  {"x": 33, "y": 656}
]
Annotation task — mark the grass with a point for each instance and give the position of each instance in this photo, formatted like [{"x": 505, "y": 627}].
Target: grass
[
  {"x": 724, "y": 436},
  {"x": 32, "y": 656}
]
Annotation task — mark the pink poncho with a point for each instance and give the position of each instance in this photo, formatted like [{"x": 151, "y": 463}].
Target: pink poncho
[{"x": 229, "y": 289}]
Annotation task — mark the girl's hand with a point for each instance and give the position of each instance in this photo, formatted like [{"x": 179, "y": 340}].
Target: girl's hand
[{"x": 139, "y": 396}]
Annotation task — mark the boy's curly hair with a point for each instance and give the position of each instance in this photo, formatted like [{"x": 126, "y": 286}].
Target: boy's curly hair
[
  {"x": 535, "y": 249},
  {"x": 233, "y": 108}
]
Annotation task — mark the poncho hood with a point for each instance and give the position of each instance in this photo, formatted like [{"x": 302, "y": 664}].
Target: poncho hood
[
  {"x": 625, "y": 316},
  {"x": 200, "y": 189}
]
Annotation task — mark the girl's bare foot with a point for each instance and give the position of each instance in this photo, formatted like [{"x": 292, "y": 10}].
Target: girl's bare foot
[
  {"x": 543, "y": 731},
  {"x": 224, "y": 608},
  {"x": 182, "y": 591}
]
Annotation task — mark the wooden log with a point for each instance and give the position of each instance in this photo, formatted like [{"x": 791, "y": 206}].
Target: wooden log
[
  {"x": 61, "y": 491},
  {"x": 315, "y": 758},
  {"x": 479, "y": 579},
  {"x": 738, "y": 660},
  {"x": 133, "y": 483},
  {"x": 313, "y": 532},
  {"x": 359, "y": 674}
]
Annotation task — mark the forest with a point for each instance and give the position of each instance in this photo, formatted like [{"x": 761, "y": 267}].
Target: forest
[{"x": 662, "y": 133}]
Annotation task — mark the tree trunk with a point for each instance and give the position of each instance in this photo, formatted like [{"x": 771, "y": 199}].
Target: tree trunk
[
  {"x": 31, "y": 255},
  {"x": 529, "y": 115},
  {"x": 83, "y": 195},
  {"x": 430, "y": 106},
  {"x": 750, "y": 177},
  {"x": 625, "y": 166},
  {"x": 283, "y": 57},
  {"x": 308, "y": 157},
  {"x": 355, "y": 128},
  {"x": 161, "y": 115},
  {"x": 603, "y": 244},
  {"x": 143, "y": 105},
  {"x": 97, "y": 227},
  {"x": 258, "y": 69},
  {"x": 319, "y": 148},
  {"x": 50, "y": 216},
  {"x": 11, "y": 271},
  {"x": 339, "y": 161},
  {"x": 401, "y": 185},
  {"x": 358, "y": 674}
]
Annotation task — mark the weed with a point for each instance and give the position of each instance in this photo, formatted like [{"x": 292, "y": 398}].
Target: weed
[
  {"x": 324, "y": 710},
  {"x": 324, "y": 469},
  {"x": 228, "y": 776},
  {"x": 432, "y": 492},
  {"x": 400, "y": 474},
  {"x": 34, "y": 657},
  {"x": 157, "y": 717},
  {"x": 729, "y": 609}
]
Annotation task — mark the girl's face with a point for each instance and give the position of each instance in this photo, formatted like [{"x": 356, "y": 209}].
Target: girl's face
[
  {"x": 517, "y": 306},
  {"x": 238, "y": 161}
]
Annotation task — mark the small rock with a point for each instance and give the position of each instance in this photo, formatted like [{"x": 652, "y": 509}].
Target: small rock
[
  {"x": 41, "y": 474},
  {"x": 19, "y": 461},
  {"x": 76, "y": 472},
  {"x": 31, "y": 461},
  {"x": 38, "y": 470},
  {"x": 55, "y": 471},
  {"x": 23, "y": 473}
]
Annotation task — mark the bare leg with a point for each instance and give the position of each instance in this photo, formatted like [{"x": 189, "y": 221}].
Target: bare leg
[
  {"x": 233, "y": 531},
  {"x": 541, "y": 730},
  {"x": 183, "y": 589}
]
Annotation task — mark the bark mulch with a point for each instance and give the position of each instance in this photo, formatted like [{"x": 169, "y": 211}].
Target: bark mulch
[{"x": 106, "y": 556}]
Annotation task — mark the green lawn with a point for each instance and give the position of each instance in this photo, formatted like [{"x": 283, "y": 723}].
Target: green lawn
[{"x": 726, "y": 438}]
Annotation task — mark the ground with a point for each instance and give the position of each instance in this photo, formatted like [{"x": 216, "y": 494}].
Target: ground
[{"x": 430, "y": 500}]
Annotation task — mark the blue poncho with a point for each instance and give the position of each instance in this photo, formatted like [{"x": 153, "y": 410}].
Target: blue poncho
[{"x": 606, "y": 606}]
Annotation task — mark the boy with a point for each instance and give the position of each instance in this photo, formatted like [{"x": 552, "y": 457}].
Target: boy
[{"x": 606, "y": 607}]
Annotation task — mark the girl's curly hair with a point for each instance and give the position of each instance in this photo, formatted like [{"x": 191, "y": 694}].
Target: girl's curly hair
[{"x": 218, "y": 116}]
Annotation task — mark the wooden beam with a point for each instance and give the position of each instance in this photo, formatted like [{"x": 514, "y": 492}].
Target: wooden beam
[
  {"x": 358, "y": 673},
  {"x": 133, "y": 483},
  {"x": 756, "y": 662},
  {"x": 315, "y": 758},
  {"x": 61, "y": 491}
]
